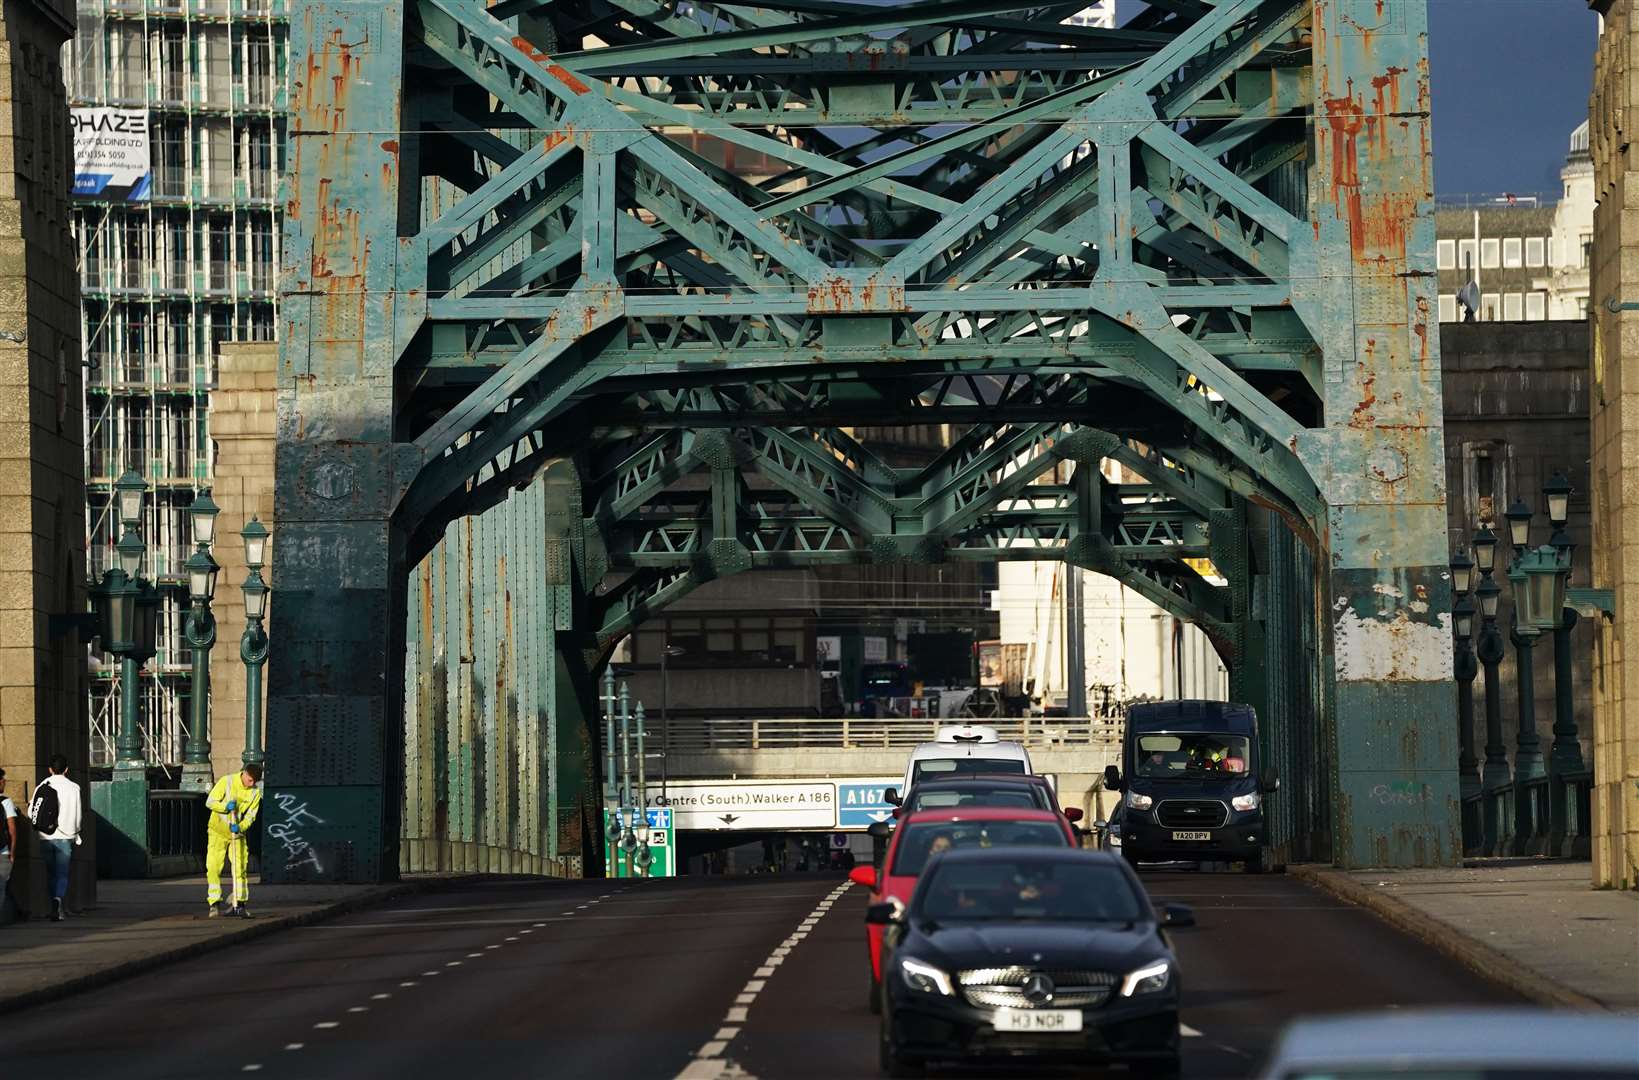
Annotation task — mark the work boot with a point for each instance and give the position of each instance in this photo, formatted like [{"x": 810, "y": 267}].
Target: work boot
[
  {"x": 243, "y": 911},
  {"x": 56, "y": 909},
  {"x": 213, "y": 909}
]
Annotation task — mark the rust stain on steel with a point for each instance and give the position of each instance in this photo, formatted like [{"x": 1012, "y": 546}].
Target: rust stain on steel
[
  {"x": 557, "y": 71},
  {"x": 1343, "y": 115}
]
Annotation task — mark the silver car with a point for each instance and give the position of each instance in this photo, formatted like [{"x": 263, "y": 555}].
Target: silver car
[{"x": 1460, "y": 1044}]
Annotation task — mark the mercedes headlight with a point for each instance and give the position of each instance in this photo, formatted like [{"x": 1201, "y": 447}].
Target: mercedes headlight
[
  {"x": 1147, "y": 979},
  {"x": 1247, "y": 802},
  {"x": 924, "y": 977},
  {"x": 1135, "y": 801}
]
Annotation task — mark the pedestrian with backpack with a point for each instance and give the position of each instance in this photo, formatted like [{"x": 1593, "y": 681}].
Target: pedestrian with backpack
[
  {"x": 55, "y": 812},
  {"x": 232, "y": 804}
]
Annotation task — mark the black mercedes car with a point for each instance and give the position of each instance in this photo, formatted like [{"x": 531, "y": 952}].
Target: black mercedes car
[{"x": 1029, "y": 953}]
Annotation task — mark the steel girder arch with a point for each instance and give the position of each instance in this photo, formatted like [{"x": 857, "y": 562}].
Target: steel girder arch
[{"x": 505, "y": 217}]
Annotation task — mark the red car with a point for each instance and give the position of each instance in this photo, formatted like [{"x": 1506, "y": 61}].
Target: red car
[{"x": 922, "y": 834}]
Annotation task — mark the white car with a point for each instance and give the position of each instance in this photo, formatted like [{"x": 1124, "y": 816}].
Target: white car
[
  {"x": 965, "y": 750},
  {"x": 1460, "y": 1044}
]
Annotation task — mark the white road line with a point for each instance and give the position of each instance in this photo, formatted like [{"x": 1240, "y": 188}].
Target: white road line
[
  {"x": 489, "y": 948},
  {"x": 294, "y": 1046},
  {"x": 1188, "y": 1032},
  {"x": 713, "y": 1048},
  {"x": 249, "y": 1068},
  {"x": 426, "y": 974},
  {"x": 755, "y": 986},
  {"x": 514, "y": 937},
  {"x": 702, "y": 1069},
  {"x": 326, "y": 1025},
  {"x": 744, "y": 999},
  {"x": 474, "y": 955},
  {"x": 764, "y": 972},
  {"x": 409, "y": 982},
  {"x": 727, "y": 1033},
  {"x": 380, "y": 997},
  {"x": 359, "y": 1009},
  {"x": 453, "y": 963},
  {"x": 736, "y": 1015}
]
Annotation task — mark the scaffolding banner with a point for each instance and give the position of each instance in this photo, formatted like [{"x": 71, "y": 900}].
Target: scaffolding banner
[{"x": 111, "y": 154}]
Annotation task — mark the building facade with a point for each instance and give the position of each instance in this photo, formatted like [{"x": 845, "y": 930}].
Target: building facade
[
  {"x": 1528, "y": 256},
  {"x": 1614, "y": 459},
  {"x": 170, "y": 269}
]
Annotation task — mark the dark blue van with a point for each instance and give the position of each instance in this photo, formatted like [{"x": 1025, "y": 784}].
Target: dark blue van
[{"x": 1191, "y": 783}]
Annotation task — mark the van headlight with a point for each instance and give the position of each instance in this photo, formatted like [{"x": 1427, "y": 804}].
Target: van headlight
[
  {"x": 1135, "y": 801},
  {"x": 1247, "y": 802},
  {"x": 1147, "y": 979},
  {"x": 924, "y": 977}
]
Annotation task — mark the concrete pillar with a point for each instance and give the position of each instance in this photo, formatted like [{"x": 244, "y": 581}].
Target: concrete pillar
[
  {"x": 242, "y": 427},
  {"x": 42, "y": 488},
  {"x": 1614, "y": 464}
]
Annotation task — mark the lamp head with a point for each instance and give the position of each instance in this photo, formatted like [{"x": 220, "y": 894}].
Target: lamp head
[
  {"x": 202, "y": 516},
  {"x": 1462, "y": 572},
  {"x": 255, "y": 535},
  {"x": 1557, "y": 493},
  {"x": 202, "y": 571},
  {"x": 1485, "y": 550},
  {"x": 1463, "y": 616},
  {"x": 1488, "y": 593},
  {"x": 1519, "y": 524},
  {"x": 129, "y": 552},
  {"x": 129, "y": 491}
]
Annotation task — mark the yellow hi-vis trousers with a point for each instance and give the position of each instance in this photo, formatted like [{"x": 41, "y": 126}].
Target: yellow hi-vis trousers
[{"x": 237, "y": 851}]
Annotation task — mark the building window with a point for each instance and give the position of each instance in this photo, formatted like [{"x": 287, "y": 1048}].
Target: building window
[
  {"x": 1490, "y": 253},
  {"x": 1511, "y": 253},
  {"x": 1448, "y": 307},
  {"x": 1490, "y": 307},
  {"x": 1536, "y": 306},
  {"x": 1582, "y": 307},
  {"x": 1587, "y": 250},
  {"x": 1447, "y": 254},
  {"x": 1466, "y": 256},
  {"x": 1513, "y": 307},
  {"x": 1533, "y": 251}
]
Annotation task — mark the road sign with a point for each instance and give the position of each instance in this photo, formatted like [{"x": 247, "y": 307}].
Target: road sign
[
  {"x": 662, "y": 844},
  {"x": 859, "y": 803},
  {"x": 839, "y": 841},
  {"x": 738, "y": 805}
]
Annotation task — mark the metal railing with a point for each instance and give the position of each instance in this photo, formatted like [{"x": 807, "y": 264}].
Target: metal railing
[
  {"x": 176, "y": 825},
  {"x": 694, "y": 735},
  {"x": 1544, "y": 815}
]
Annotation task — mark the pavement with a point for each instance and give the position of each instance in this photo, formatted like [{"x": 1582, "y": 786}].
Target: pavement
[
  {"x": 1536, "y": 926},
  {"x": 136, "y": 925},
  {"x": 681, "y": 979}
]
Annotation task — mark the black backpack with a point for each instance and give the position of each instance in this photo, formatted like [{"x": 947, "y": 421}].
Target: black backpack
[{"x": 43, "y": 810}]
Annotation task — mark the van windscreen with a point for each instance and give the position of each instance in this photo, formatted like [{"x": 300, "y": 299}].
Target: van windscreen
[
  {"x": 965, "y": 766},
  {"x": 1163, "y": 755}
]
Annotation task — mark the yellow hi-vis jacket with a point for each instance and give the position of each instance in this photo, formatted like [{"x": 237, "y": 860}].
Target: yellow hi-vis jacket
[{"x": 247, "y": 801}]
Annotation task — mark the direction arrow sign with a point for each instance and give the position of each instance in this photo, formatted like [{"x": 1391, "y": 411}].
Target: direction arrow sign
[
  {"x": 859, "y": 802},
  {"x": 754, "y": 805}
]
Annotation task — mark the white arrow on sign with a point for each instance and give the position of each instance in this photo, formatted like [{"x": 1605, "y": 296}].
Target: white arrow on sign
[{"x": 882, "y": 815}]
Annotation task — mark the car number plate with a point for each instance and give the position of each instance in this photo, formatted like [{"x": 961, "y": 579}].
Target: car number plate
[
  {"x": 1038, "y": 1020},
  {"x": 1192, "y": 836}
]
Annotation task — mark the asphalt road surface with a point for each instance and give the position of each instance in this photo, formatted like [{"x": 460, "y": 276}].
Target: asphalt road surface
[{"x": 746, "y": 977}]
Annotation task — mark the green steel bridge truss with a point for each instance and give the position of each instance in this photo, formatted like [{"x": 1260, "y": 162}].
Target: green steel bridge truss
[{"x": 585, "y": 300}]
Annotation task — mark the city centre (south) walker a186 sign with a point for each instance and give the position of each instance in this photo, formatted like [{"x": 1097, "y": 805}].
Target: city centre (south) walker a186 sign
[
  {"x": 111, "y": 159},
  {"x": 777, "y": 805}
]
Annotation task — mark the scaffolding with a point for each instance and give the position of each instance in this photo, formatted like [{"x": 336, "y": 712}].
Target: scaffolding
[{"x": 166, "y": 280}]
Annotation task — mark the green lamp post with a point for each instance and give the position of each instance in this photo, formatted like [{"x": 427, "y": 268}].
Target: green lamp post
[
  {"x": 200, "y": 630},
  {"x": 124, "y": 589},
  {"x": 253, "y": 644},
  {"x": 1565, "y": 755}
]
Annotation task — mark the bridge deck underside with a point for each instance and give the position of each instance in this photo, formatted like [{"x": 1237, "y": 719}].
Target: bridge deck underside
[{"x": 585, "y": 304}]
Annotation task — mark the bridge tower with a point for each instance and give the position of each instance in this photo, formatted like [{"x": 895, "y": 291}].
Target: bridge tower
[{"x": 549, "y": 362}]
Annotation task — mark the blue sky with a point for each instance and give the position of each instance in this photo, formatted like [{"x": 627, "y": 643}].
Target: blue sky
[{"x": 1510, "y": 80}]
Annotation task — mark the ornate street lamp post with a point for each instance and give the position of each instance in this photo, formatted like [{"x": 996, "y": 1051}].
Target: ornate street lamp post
[
  {"x": 200, "y": 630},
  {"x": 124, "y": 591},
  {"x": 1490, "y": 652},
  {"x": 253, "y": 642},
  {"x": 1466, "y": 668},
  {"x": 1565, "y": 756}
]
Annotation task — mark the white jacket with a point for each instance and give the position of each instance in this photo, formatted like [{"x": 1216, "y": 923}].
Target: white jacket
[{"x": 68, "y": 809}]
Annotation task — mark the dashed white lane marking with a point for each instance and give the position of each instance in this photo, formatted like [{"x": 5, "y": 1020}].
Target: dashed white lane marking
[
  {"x": 250, "y": 1068},
  {"x": 409, "y": 982},
  {"x": 326, "y": 1025},
  {"x": 294, "y": 1046},
  {"x": 359, "y": 1009},
  {"x": 428, "y": 974},
  {"x": 488, "y": 948},
  {"x": 474, "y": 955},
  {"x": 453, "y": 963},
  {"x": 514, "y": 937},
  {"x": 380, "y": 997},
  {"x": 1188, "y": 1032},
  {"x": 708, "y": 1063}
]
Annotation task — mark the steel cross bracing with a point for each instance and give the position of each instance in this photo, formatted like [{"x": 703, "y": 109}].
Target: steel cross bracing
[{"x": 665, "y": 259}]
